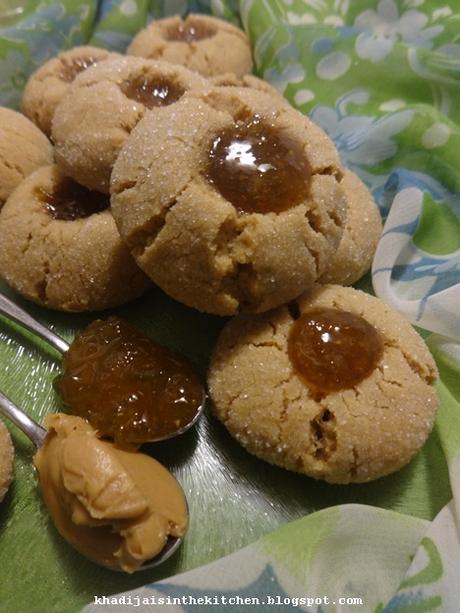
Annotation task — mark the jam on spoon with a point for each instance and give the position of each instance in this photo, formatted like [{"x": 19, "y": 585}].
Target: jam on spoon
[
  {"x": 127, "y": 386},
  {"x": 154, "y": 384}
]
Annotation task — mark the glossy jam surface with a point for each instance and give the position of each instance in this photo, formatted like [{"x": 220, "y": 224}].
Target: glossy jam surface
[
  {"x": 152, "y": 92},
  {"x": 127, "y": 386},
  {"x": 68, "y": 200},
  {"x": 189, "y": 32},
  {"x": 258, "y": 168},
  {"x": 72, "y": 68},
  {"x": 332, "y": 349}
]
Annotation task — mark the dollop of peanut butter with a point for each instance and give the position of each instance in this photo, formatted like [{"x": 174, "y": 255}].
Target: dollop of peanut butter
[{"x": 114, "y": 506}]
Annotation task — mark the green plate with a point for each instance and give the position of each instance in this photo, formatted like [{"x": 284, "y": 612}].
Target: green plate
[{"x": 234, "y": 498}]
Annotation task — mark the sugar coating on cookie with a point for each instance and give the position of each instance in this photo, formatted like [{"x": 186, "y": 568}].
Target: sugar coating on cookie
[
  {"x": 59, "y": 246},
  {"x": 363, "y": 228},
  {"x": 371, "y": 427},
  {"x": 229, "y": 201},
  {"x": 23, "y": 149},
  {"x": 47, "y": 86},
  {"x": 6, "y": 460},
  {"x": 229, "y": 79},
  {"x": 112, "y": 97},
  {"x": 204, "y": 44}
]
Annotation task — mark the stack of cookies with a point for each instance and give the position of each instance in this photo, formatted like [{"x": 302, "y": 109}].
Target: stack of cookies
[{"x": 174, "y": 165}]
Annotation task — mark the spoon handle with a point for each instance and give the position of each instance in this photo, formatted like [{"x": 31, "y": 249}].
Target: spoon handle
[
  {"x": 30, "y": 427},
  {"x": 14, "y": 312}
]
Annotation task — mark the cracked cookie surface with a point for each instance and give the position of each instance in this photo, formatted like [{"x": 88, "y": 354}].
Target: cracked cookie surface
[
  {"x": 190, "y": 239},
  {"x": 350, "y": 435},
  {"x": 47, "y": 86},
  {"x": 112, "y": 97},
  {"x": 354, "y": 255},
  {"x": 57, "y": 260},
  {"x": 202, "y": 43},
  {"x": 23, "y": 149}
]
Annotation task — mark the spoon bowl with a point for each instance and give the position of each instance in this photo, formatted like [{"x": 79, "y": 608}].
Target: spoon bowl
[
  {"x": 14, "y": 312},
  {"x": 37, "y": 434}
]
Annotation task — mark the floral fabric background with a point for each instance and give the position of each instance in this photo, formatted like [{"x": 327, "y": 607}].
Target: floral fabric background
[{"x": 382, "y": 77}]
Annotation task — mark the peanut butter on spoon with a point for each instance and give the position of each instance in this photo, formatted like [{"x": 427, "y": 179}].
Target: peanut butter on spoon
[{"x": 116, "y": 507}]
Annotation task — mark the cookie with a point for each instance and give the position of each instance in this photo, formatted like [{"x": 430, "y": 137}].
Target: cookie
[
  {"x": 23, "y": 149},
  {"x": 47, "y": 86},
  {"x": 112, "y": 97},
  {"x": 59, "y": 246},
  {"x": 337, "y": 386},
  {"x": 6, "y": 460},
  {"x": 363, "y": 228},
  {"x": 229, "y": 201},
  {"x": 204, "y": 44},
  {"x": 229, "y": 79}
]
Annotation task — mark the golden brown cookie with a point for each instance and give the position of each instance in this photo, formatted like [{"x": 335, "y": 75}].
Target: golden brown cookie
[
  {"x": 23, "y": 149},
  {"x": 354, "y": 255},
  {"x": 47, "y": 85},
  {"x": 59, "y": 246},
  {"x": 6, "y": 460},
  {"x": 337, "y": 385},
  {"x": 112, "y": 97},
  {"x": 229, "y": 79},
  {"x": 230, "y": 201},
  {"x": 204, "y": 44}
]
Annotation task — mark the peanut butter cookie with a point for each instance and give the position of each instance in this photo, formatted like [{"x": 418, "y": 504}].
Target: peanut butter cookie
[
  {"x": 204, "y": 44},
  {"x": 229, "y": 79},
  {"x": 112, "y": 97},
  {"x": 23, "y": 149},
  {"x": 336, "y": 385},
  {"x": 47, "y": 85},
  {"x": 355, "y": 252},
  {"x": 59, "y": 246},
  {"x": 230, "y": 201},
  {"x": 6, "y": 460}
]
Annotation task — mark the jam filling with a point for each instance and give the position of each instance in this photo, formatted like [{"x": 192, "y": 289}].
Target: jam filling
[
  {"x": 68, "y": 201},
  {"x": 152, "y": 92},
  {"x": 127, "y": 386},
  {"x": 332, "y": 349},
  {"x": 258, "y": 168},
  {"x": 71, "y": 68},
  {"x": 189, "y": 32}
]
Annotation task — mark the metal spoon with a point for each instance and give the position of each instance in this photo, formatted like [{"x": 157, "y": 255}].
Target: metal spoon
[
  {"x": 14, "y": 312},
  {"x": 37, "y": 434}
]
